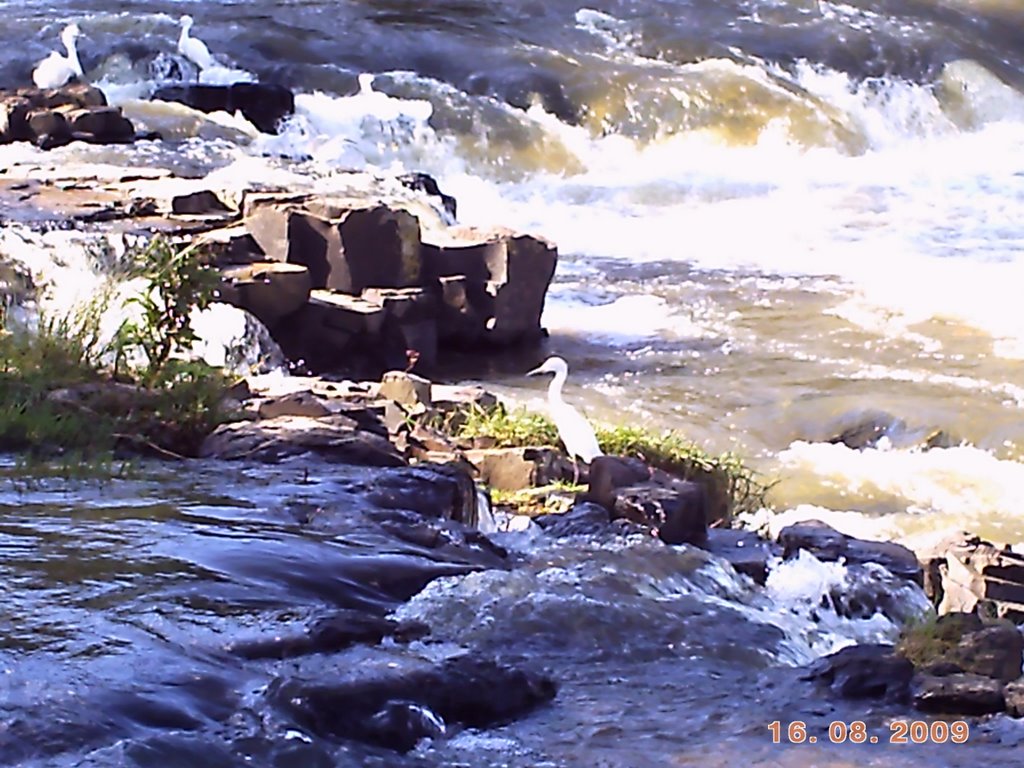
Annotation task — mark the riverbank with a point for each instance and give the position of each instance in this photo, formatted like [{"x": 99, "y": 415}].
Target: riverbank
[{"x": 646, "y": 547}]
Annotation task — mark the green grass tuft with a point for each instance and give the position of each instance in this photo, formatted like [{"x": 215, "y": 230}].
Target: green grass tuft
[{"x": 735, "y": 487}]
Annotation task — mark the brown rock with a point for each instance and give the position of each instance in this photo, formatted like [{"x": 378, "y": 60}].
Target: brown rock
[
  {"x": 609, "y": 473},
  {"x": 14, "y": 119},
  {"x": 106, "y": 124},
  {"x": 993, "y": 651},
  {"x": 406, "y": 388},
  {"x": 199, "y": 203},
  {"x": 270, "y": 290},
  {"x": 304, "y": 404},
  {"x": 48, "y": 123},
  {"x": 351, "y": 314},
  {"x": 512, "y": 469},
  {"x": 959, "y": 694}
]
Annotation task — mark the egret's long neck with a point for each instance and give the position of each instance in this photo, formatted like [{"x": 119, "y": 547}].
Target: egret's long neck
[
  {"x": 69, "y": 43},
  {"x": 555, "y": 387},
  {"x": 183, "y": 37}
]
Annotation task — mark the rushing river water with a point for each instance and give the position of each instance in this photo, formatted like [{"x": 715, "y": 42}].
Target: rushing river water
[{"x": 776, "y": 219}]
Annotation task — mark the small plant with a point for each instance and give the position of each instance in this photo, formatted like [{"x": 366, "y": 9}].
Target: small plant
[{"x": 178, "y": 282}]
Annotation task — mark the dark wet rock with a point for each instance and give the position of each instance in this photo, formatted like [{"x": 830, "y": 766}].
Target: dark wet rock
[
  {"x": 444, "y": 491},
  {"x": 270, "y": 290},
  {"x": 585, "y": 519},
  {"x": 55, "y": 117},
  {"x": 513, "y": 469},
  {"x": 676, "y": 514},
  {"x": 472, "y": 692},
  {"x": 745, "y": 551},
  {"x": 827, "y": 544},
  {"x": 677, "y": 511},
  {"x": 965, "y": 573},
  {"x": 335, "y": 633},
  {"x": 263, "y": 104},
  {"x": 864, "y": 671},
  {"x": 1013, "y": 695},
  {"x": 424, "y": 182},
  {"x": 199, "y": 203},
  {"x": 337, "y": 437},
  {"x": 959, "y": 694},
  {"x": 867, "y": 429}
]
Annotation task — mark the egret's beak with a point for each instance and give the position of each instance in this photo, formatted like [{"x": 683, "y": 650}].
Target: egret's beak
[{"x": 535, "y": 371}]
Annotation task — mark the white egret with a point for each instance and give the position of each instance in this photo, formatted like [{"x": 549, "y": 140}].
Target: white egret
[
  {"x": 55, "y": 70},
  {"x": 193, "y": 48},
  {"x": 575, "y": 431}
]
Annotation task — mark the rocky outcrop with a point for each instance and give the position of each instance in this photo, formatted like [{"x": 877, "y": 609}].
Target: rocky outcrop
[
  {"x": 965, "y": 573},
  {"x": 264, "y": 105},
  {"x": 382, "y": 287},
  {"x": 827, "y": 544},
  {"x": 745, "y": 551},
  {"x": 54, "y": 117},
  {"x": 395, "y": 710}
]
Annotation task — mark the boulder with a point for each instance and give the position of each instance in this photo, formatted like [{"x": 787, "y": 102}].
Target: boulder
[
  {"x": 336, "y": 437},
  {"x": 507, "y": 273},
  {"x": 202, "y": 202},
  {"x": 864, "y": 671},
  {"x": 100, "y": 125},
  {"x": 958, "y": 694},
  {"x": 965, "y": 573},
  {"x": 48, "y": 126},
  {"x": 677, "y": 514},
  {"x": 14, "y": 112},
  {"x": 395, "y": 709},
  {"x": 993, "y": 651},
  {"x": 264, "y": 105},
  {"x": 512, "y": 469},
  {"x": 828, "y": 544},
  {"x": 745, "y": 551},
  {"x": 270, "y": 290},
  {"x": 444, "y": 491},
  {"x": 424, "y": 182},
  {"x": 70, "y": 95}
]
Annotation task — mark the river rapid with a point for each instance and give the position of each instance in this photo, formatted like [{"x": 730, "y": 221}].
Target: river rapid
[{"x": 776, "y": 218}]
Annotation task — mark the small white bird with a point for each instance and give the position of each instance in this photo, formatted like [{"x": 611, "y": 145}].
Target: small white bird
[
  {"x": 576, "y": 433},
  {"x": 55, "y": 70},
  {"x": 192, "y": 48}
]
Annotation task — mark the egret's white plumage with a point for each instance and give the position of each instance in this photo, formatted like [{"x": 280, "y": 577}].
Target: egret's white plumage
[
  {"x": 55, "y": 70},
  {"x": 576, "y": 433},
  {"x": 193, "y": 48}
]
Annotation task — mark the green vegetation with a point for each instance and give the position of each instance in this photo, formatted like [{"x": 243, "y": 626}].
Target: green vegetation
[
  {"x": 731, "y": 482},
  {"x": 58, "y": 396}
]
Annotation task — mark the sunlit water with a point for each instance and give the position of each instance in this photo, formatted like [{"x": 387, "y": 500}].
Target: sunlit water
[{"x": 774, "y": 219}]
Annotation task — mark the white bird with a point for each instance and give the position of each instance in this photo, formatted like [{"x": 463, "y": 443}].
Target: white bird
[
  {"x": 575, "y": 431},
  {"x": 55, "y": 70},
  {"x": 192, "y": 48}
]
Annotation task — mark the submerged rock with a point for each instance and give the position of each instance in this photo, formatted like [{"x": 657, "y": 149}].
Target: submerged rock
[
  {"x": 328, "y": 635},
  {"x": 382, "y": 710},
  {"x": 864, "y": 671}
]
